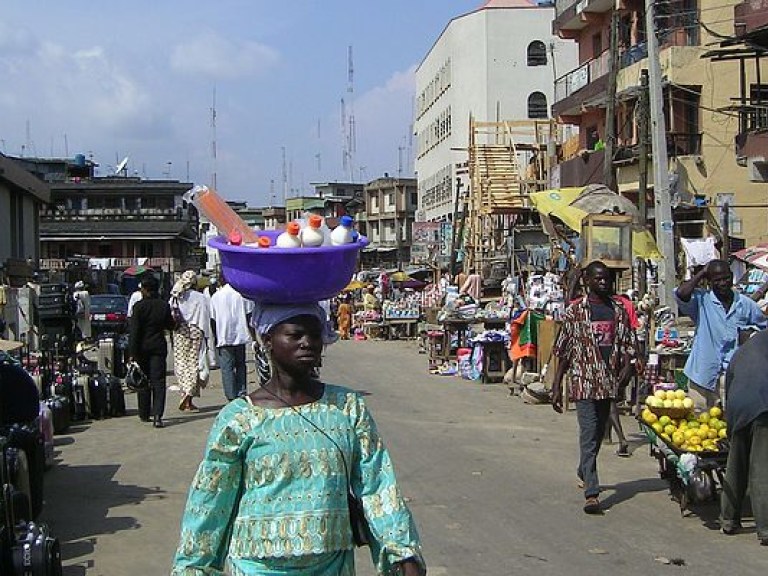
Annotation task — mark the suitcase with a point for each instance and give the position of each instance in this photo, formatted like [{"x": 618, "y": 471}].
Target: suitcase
[
  {"x": 61, "y": 412},
  {"x": 97, "y": 397},
  {"x": 106, "y": 358},
  {"x": 28, "y": 438},
  {"x": 46, "y": 429},
  {"x": 115, "y": 397},
  {"x": 79, "y": 399}
]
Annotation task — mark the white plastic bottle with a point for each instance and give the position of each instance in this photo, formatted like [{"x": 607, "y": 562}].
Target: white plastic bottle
[
  {"x": 343, "y": 233},
  {"x": 289, "y": 238},
  {"x": 311, "y": 235}
]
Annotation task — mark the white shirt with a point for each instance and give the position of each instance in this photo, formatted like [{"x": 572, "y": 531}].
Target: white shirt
[
  {"x": 135, "y": 297},
  {"x": 229, "y": 310}
]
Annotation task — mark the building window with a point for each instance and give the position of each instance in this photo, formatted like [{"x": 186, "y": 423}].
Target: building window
[
  {"x": 537, "y": 53},
  {"x": 537, "y": 105},
  {"x": 597, "y": 44},
  {"x": 390, "y": 199}
]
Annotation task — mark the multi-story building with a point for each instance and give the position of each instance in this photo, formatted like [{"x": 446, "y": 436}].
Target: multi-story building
[
  {"x": 390, "y": 208},
  {"x": 697, "y": 98},
  {"x": 748, "y": 46},
  {"x": 113, "y": 221},
  {"x": 495, "y": 63},
  {"x": 330, "y": 200},
  {"x": 22, "y": 198}
]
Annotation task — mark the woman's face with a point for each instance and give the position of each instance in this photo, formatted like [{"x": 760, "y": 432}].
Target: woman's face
[{"x": 297, "y": 344}]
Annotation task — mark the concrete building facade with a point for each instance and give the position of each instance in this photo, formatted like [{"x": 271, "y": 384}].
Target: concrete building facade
[
  {"x": 495, "y": 63},
  {"x": 699, "y": 98}
]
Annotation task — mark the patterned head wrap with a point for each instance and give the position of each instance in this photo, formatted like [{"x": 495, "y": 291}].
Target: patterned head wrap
[
  {"x": 187, "y": 280},
  {"x": 266, "y": 316}
]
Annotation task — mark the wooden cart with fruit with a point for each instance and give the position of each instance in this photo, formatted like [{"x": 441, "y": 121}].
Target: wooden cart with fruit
[{"x": 691, "y": 448}]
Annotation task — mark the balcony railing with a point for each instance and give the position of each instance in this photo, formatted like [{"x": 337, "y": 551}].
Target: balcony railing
[
  {"x": 576, "y": 79},
  {"x": 167, "y": 264},
  {"x": 634, "y": 54}
]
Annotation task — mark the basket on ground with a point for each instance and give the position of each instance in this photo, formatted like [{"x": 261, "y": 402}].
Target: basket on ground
[{"x": 288, "y": 275}]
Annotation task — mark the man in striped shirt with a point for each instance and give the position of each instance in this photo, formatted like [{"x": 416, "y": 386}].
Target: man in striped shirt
[{"x": 597, "y": 344}]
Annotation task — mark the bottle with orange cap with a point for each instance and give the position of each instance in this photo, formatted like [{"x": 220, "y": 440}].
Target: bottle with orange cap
[
  {"x": 312, "y": 234},
  {"x": 290, "y": 238}
]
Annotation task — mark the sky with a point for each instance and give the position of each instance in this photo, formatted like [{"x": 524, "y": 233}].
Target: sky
[{"x": 139, "y": 79}]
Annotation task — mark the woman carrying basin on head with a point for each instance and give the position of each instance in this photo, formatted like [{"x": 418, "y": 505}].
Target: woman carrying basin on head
[{"x": 270, "y": 496}]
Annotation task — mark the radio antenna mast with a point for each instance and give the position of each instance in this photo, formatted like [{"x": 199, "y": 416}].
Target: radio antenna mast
[
  {"x": 351, "y": 136},
  {"x": 213, "y": 142}
]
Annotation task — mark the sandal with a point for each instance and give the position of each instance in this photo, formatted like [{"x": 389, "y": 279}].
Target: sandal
[
  {"x": 183, "y": 404},
  {"x": 623, "y": 451},
  {"x": 592, "y": 505}
]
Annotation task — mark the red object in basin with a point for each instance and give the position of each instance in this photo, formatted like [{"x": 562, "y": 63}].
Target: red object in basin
[{"x": 288, "y": 275}]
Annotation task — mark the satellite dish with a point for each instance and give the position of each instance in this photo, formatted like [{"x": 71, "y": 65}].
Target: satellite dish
[{"x": 121, "y": 166}]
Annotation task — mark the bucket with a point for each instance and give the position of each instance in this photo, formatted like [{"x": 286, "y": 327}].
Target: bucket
[{"x": 288, "y": 275}]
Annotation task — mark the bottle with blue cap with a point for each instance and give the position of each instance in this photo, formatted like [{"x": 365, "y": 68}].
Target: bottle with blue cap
[{"x": 343, "y": 233}]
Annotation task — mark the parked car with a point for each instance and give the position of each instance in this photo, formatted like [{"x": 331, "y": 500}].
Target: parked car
[{"x": 109, "y": 314}]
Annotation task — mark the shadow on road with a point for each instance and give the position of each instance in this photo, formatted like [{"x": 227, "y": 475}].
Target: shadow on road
[
  {"x": 79, "y": 498},
  {"x": 204, "y": 413},
  {"x": 627, "y": 490}
]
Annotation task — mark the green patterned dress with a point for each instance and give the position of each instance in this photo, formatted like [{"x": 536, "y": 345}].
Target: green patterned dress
[{"x": 269, "y": 497}]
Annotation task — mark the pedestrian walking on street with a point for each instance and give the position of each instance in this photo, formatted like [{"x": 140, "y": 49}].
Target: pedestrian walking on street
[
  {"x": 208, "y": 292},
  {"x": 230, "y": 332},
  {"x": 344, "y": 318},
  {"x": 147, "y": 345},
  {"x": 746, "y": 395},
  {"x": 597, "y": 345},
  {"x": 719, "y": 314},
  {"x": 271, "y": 494},
  {"x": 192, "y": 325},
  {"x": 82, "y": 309}
]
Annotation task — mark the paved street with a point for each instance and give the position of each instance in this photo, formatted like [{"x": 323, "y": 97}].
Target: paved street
[{"x": 490, "y": 480}]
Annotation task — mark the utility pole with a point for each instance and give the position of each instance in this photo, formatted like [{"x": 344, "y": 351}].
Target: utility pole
[
  {"x": 662, "y": 208},
  {"x": 455, "y": 236},
  {"x": 643, "y": 166},
  {"x": 609, "y": 174},
  {"x": 285, "y": 179}
]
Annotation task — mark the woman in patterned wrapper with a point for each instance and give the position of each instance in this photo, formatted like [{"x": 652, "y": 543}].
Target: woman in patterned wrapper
[
  {"x": 193, "y": 324},
  {"x": 270, "y": 496}
]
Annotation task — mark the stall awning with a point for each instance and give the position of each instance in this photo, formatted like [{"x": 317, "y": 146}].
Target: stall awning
[{"x": 557, "y": 203}]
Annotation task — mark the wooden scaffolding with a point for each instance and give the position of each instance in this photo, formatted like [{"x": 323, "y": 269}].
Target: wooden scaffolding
[{"x": 507, "y": 161}]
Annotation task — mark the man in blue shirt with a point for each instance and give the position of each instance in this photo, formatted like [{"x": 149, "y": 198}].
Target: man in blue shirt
[{"x": 719, "y": 314}]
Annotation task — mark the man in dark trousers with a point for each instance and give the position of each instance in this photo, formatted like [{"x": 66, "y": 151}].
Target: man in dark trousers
[
  {"x": 597, "y": 345},
  {"x": 150, "y": 319},
  {"x": 746, "y": 398}
]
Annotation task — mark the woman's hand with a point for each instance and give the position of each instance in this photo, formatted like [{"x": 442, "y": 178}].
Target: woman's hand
[{"x": 411, "y": 568}]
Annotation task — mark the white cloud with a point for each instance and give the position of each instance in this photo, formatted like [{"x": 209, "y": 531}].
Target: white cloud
[
  {"x": 383, "y": 116},
  {"x": 212, "y": 55}
]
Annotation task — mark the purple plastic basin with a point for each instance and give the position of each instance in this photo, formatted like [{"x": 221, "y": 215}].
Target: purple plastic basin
[{"x": 288, "y": 275}]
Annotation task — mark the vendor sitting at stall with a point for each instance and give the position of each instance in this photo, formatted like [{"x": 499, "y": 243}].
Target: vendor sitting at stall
[
  {"x": 719, "y": 314},
  {"x": 370, "y": 302}
]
